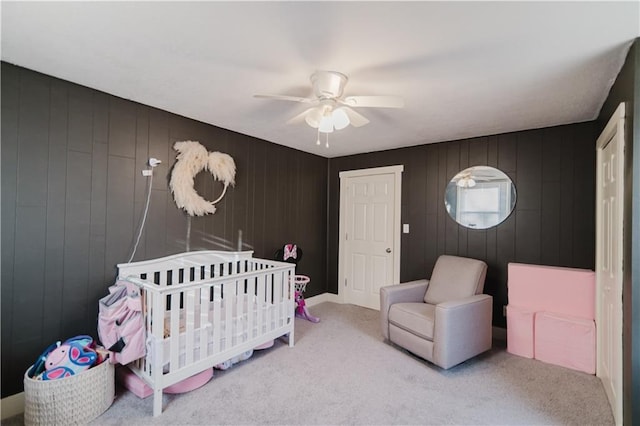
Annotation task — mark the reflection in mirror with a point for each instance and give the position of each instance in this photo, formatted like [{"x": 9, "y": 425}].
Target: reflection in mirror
[{"x": 480, "y": 197}]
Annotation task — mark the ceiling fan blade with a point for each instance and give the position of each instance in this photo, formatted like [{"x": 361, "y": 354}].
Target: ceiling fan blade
[
  {"x": 374, "y": 101},
  {"x": 285, "y": 98},
  {"x": 300, "y": 116},
  {"x": 356, "y": 119}
]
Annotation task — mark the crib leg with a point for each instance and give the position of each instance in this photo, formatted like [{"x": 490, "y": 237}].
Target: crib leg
[
  {"x": 291, "y": 338},
  {"x": 157, "y": 402}
]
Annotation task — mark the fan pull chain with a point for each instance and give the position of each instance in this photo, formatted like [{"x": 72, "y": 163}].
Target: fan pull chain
[
  {"x": 327, "y": 143},
  {"x": 318, "y": 140}
]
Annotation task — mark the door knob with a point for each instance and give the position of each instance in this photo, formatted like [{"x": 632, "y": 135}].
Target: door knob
[{"x": 388, "y": 250}]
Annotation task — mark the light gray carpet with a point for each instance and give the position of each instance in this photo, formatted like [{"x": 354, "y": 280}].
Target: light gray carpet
[{"x": 342, "y": 372}]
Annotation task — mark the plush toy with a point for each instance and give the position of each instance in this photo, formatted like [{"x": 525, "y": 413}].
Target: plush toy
[
  {"x": 71, "y": 357},
  {"x": 236, "y": 359},
  {"x": 65, "y": 359}
]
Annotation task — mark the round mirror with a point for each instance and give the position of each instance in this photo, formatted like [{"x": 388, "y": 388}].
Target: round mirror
[{"x": 480, "y": 197}]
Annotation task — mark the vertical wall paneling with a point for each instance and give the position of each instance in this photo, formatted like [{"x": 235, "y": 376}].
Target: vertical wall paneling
[
  {"x": 73, "y": 196},
  {"x": 142, "y": 182},
  {"x": 9, "y": 164},
  {"x": 56, "y": 209},
  {"x": 551, "y": 197},
  {"x": 259, "y": 199},
  {"x": 76, "y": 241},
  {"x": 80, "y": 119},
  {"x": 585, "y": 180},
  {"x": 98, "y": 225},
  {"x": 31, "y": 214}
]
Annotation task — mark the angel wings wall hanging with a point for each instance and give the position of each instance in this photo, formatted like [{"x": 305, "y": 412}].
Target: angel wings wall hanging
[{"x": 193, "y": 158}]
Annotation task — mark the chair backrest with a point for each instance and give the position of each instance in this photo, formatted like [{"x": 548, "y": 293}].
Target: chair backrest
[{"x": 455, "y": 278}]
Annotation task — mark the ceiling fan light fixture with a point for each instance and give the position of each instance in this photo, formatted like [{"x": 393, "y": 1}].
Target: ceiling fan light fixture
[
  {"x": 466, "y": 182},
  {"x": 326, "y": 124},
  {"x": 340, "y": 118},
  {"x": 313, "y": 118}
]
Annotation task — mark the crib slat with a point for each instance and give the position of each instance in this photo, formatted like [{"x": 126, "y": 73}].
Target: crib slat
[
  {"x": 216, "y": 319},
  {"x": 262, "y": 288},
  {"x": 251, "y": 306},
  {"x": 157, "y": 348},
  {"x": 229, "y": 298},
  {"x": 162, "y": 278},
  {"x": 190, "y": 326},
  {"x": 277, "y": 297},
  {"x": 204, "y": 321},
  {"x": 271, "y": 312},
  {"x": 174, "y": 332},
  {"x": 240, "y": 319}
]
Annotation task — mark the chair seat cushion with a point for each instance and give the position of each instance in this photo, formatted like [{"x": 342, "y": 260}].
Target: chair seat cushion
[{"x": 416, "y": 318}]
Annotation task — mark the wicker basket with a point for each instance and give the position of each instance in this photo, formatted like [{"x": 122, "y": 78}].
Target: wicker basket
[{"x": 73, "y": 400}]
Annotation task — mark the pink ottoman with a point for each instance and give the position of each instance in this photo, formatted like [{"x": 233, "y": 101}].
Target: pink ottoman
[
  {"x": 520, "y": 331},
  {"x": 566, "y": 341}
]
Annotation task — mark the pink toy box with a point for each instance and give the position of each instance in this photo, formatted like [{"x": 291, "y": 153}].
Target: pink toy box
[{"x": 551, "y": 313}]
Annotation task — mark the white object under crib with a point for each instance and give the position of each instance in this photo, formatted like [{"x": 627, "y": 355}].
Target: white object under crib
[{"x": 205, "y": 307}]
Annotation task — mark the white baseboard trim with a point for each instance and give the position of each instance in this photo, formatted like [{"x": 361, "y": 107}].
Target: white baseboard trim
[
  {"x": 320, "y": 298},
  {"x": 12, "y": 405}
]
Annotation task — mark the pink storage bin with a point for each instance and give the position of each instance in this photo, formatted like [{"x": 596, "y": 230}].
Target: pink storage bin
[
  {"x": 566, "y": 341},
  {"x": 568, "y": 291},
  {"x": 520, "y": 331}
]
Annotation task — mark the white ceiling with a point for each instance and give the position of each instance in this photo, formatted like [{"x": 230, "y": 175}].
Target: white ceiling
[{"x": 464, "y": 69}]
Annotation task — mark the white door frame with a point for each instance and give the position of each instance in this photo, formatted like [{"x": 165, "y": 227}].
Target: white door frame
[
  {"x": 614, "y": 128},
  {"x": 397, "y": 171}
]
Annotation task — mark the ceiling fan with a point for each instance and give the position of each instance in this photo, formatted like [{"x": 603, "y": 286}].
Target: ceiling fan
[{"x": 330, "y": 110}]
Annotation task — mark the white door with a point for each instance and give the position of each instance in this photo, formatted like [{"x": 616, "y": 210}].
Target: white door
[
  {"x": 609, "y": 256},
  {"x": 369, "y": 234}
]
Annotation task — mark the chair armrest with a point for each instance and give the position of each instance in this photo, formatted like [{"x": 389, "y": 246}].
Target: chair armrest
[
  {"x": 462, "y": 329},
  {"x": 412, "y": 291}
]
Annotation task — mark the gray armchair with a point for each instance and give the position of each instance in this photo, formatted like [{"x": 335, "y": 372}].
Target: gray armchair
[{"x": 445, "y": 320}]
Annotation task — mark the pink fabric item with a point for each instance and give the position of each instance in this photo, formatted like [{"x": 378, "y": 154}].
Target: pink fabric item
[
  {"x": 265, "y": 345},
  {"x": 135, "y": 384},
  {"x": 566, "y": 341},
  {"x": 121, "y": 323},
  {"x": 520, "y": 331},
  {"x": 568, "y": 291},
  {"x": 191, "y": 383},
  {"x": 139, "y": 387}
]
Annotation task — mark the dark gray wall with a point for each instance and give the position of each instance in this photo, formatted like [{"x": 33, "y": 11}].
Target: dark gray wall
[
  {"x": 553, "y": 222},
  {"x": 627, "y": 89},
  {"x": 73, "y": 194}
]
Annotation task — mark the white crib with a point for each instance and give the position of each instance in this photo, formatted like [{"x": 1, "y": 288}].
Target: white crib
[{"x": 204, "y": 307}]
